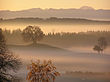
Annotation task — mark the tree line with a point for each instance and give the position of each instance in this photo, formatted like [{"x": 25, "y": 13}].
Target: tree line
[{"x": 61, "y": 39}]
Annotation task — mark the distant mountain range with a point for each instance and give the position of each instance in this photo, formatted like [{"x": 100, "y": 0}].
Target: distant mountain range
[{"x": 84, "y": 12}]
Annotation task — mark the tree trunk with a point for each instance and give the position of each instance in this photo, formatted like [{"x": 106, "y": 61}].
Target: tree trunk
[
  {"x": 98, "y": 52},
  {"x": 34, "y": 42}
]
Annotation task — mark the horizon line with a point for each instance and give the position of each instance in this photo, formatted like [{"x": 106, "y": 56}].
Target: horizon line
[
  {"x": 100, "y": 20},
  {"x": 53, "y": 8}
]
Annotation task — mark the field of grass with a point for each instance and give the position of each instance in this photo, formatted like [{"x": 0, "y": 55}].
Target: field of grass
[{"x": 92, "y": 66}]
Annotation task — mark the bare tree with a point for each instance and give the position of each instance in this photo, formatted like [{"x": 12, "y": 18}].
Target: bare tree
[
  {"x": 8, "y": 61},
  {"x": 42, "y": 72},
  {"x": 102, "y": 44},
  {"x": 97, "y": 48},
  {"x": 32, "y": 33}
]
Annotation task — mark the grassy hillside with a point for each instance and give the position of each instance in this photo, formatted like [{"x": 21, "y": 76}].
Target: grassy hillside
[{"x": 38, "y": 47}]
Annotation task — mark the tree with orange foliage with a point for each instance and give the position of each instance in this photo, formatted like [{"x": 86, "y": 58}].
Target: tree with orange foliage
[{"x": 42, "y": 72}]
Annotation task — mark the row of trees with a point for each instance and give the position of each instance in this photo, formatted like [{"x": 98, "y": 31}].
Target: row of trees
[
  {"x": 60, "y": 39},
  {"x": 34, "y": 33}
]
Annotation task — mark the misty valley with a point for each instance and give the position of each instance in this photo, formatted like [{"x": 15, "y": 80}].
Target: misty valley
[
  {"x": 80, "y": 52},
  {"x": 54, "y": 41}
]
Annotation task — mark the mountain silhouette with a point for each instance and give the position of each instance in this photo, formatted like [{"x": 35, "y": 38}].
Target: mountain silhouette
[
  {"x": 83, "y": 12},
  {"x": 87, "y": 8}
]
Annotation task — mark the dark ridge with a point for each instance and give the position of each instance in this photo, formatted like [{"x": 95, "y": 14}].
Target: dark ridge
[{"x": 54, "y": 20}]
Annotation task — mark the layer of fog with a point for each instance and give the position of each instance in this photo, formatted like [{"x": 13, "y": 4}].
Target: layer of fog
[
  {"x": 78, "y": 59},
  {"x": 72, "y": 61},
  {"x": 60, "y": 28}
]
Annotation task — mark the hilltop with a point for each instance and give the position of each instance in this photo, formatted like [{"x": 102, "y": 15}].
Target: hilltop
[{"x": 39, "y": 48}]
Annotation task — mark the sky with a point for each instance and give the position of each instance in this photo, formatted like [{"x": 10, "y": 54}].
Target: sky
[{"x": 57, "y": 4}]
